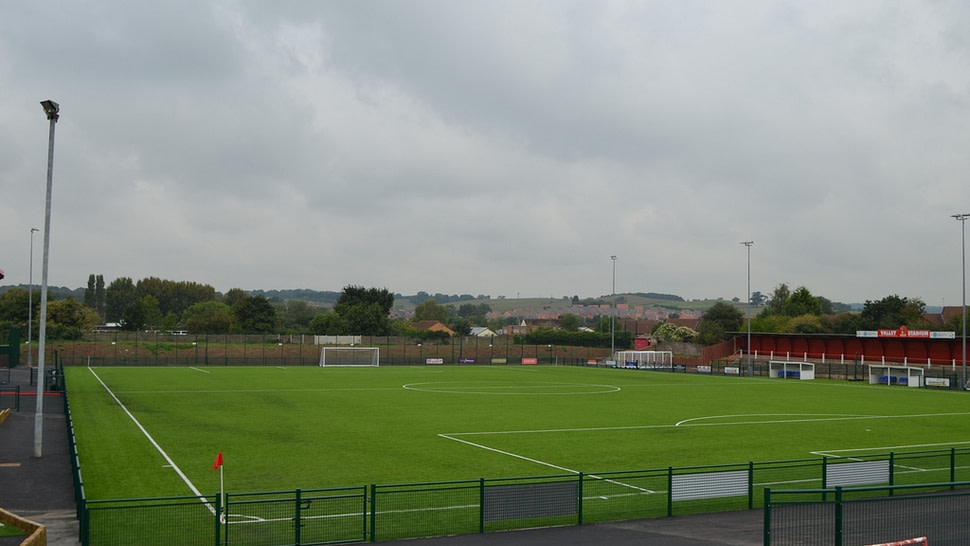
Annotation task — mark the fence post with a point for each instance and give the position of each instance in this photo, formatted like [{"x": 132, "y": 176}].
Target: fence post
[
  {"x": 670, "y": 491},
  {"x": 825, "y": 467},
  {"x": 892, "y": 473},
  {"x": 84, "y": 521},
  {"x": 767, "y": 520},
  {"x": 218, "y": 519},
  {"x": 373, "y": 512},
  {"x": 750, "y": 485},
  {"x": 838, "y": 515},
  {"x": 297, "y": 523},
  {"x": 579, "y": 511},
  {"x": 481, "y": 505},
  {"x": 953, "y": 466}
]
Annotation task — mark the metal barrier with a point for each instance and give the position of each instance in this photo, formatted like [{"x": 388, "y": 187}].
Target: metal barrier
[
  {"x": 391, "y": 512},
  {"x": 868, "y": 515},
  {"x": 10, "y": 397}
]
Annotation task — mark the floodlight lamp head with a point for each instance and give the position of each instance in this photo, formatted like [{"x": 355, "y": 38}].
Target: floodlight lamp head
[
  {"x": 51, "y": 108},
  {"x": 33, "y": 229},
  {"x": 747, "y": 243},
  {"x": 961, "y": 217}
]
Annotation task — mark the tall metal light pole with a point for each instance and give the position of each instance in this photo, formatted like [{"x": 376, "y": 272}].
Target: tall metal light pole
[
  {"x": 963, "y": 255},
  {"x": 748, "y": 311},
  {"x": 30, "y": 301},
  {"x": 613, "y": 316},
  {"x": 52, "y": 109}
]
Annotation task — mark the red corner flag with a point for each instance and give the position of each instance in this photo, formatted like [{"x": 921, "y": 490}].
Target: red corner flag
[{"x": 218, "y": 464}]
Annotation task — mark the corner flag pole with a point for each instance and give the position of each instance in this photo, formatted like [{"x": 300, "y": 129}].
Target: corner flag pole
[{"x": 222, "y": 485}]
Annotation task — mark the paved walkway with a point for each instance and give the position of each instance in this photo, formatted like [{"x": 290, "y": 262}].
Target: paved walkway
[{"x": 41, "y": 489}]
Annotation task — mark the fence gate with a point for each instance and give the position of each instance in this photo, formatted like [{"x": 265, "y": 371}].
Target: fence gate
[{"x": 301, "y": 517}]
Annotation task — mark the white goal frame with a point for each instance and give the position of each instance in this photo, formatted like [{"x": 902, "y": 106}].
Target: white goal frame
[
  {"x": 350, "y": 356},
  {"x": 645, "y": 360}
]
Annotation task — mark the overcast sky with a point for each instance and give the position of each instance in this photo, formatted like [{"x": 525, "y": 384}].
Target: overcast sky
[{"x": 494, "y": 147}]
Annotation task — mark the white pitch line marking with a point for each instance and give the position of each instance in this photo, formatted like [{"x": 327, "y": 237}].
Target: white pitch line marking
[
  {"x": 537, "y": 461},
  {"x": 199, "y": 369},
  {"x": 157, "y": 447}
]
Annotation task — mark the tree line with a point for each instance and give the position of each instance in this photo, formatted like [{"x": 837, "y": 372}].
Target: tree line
[
  {"x": 798, "y": 311},
  {"x": 154, "y": 304}
]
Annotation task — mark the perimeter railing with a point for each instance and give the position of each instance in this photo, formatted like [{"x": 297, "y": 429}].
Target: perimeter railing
[
  {"x": 868, "y": 515},
  {"x": 371, "y": 513}
]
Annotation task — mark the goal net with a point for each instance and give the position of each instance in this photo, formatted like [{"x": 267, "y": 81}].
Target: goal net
[
  {"x": 350, "y": 356},
  {"x": 645, "y": 360}
]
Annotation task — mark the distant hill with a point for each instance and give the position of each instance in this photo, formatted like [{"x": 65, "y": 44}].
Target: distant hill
[
  {"x": 55, "y": 292},
  {"x": 327, "y": 298}
]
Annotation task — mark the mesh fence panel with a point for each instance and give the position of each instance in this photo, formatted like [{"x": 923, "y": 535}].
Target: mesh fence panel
[
  {"x": 799, "y": 474},
  {"x": 334, "y": 516},
  {"x": 940, "y": 518},
  {"x": 185, "y": 521},
  {"x": 834, "y": 517},
  {"x": 798, "y": 524},
  {"x": 527, "y": 503},
  {"x": 608, "y": 496},
  {"x": 297, "y": 517},
  {"x": 426, "y": 510}
]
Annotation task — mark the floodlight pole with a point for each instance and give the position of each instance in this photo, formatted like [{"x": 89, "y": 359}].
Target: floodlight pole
[
  {"x": 613, "y": 316},
  {"x": 748, "y": 310},
  {"x": 963, "y": 255},
  {"x": 30, "y": 301},
  {"x": 52, "y": 110}
]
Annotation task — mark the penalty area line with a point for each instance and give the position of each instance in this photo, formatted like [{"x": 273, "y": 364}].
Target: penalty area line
[{"x": 543, "y": 463}]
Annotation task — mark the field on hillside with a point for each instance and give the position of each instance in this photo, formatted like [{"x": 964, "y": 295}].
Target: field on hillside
[{"x": 150, "y": 432}]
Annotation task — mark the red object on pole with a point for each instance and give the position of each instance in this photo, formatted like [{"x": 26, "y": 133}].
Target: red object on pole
[{"x": 218, "y": 464}]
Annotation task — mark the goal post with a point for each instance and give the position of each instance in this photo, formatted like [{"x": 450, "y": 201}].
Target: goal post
[{"x": 350, "y": 356}]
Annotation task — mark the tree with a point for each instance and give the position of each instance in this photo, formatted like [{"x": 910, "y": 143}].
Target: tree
[
  {"x": 208, "y": 317},
  {"x": 99, "y": 295},
  {"x": 255, "y": 315},
  {"x": 68, "y": 319},
  {"x": 776, "y": 303},
  {"x": 569, "y": 322},
  {"x": 758, "y": 299},
  {"x": 89, "y": 292},
  {"x": 717, "y": 321},
  {"x": 462, "y": 327},
  {"x": 357, "y": 295},
  {"x": 364, "y": 311},
  {"x": 118, "y": 296},
  {"x": 233, "y": 296},
  {"x": 893, "y": 312},
  {"x": 801, "y": 302},
  {"x": 468, "y": 310},
  {"x": 13, "y": 305},
  {"x": 805, "y": 324},
  {"x": 174, "y": 296},
  {"x": 151, "y": 311},
  {"x": 295, "y": 315},
  {"x": 728, "y": 316},
  {"x": 429, "y": 310},
  {"x": 328, "y": 324}
]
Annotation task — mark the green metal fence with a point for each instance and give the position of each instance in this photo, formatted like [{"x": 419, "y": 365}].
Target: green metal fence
[
  {"x": 868, "y": 515},
  {"x": 804, "y": 499}
]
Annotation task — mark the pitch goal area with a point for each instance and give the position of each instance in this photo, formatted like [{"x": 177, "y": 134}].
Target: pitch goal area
[{"x": 350, "y": 356}]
